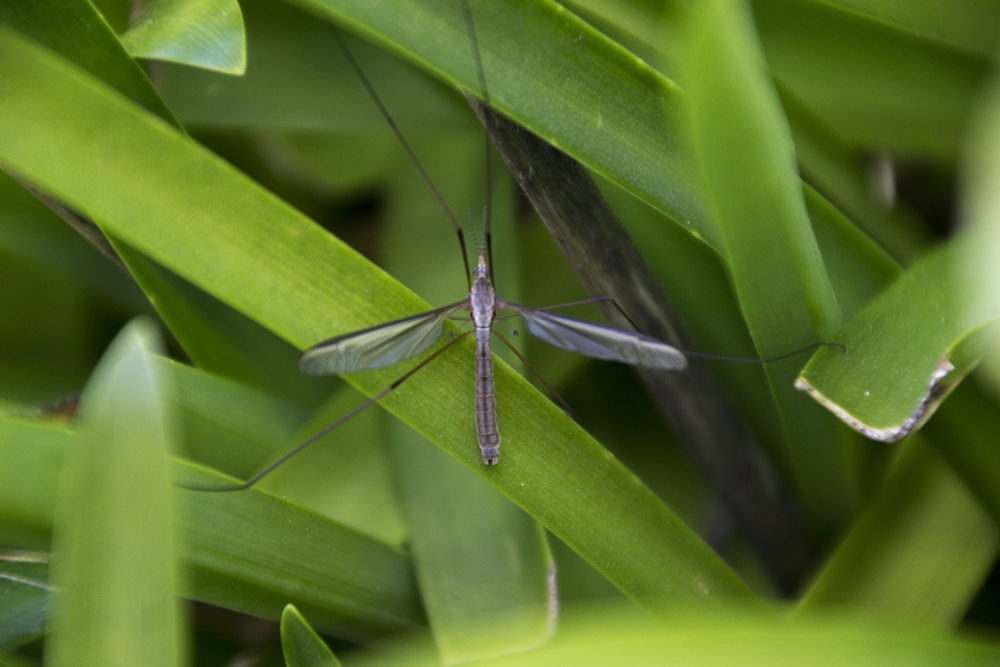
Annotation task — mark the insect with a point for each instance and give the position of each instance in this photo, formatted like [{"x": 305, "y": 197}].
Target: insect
[
  {"x": 390, "y": 343},
  {"x": 396, "y": 341}
]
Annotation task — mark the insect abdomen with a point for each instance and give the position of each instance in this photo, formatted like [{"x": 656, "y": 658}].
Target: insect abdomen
[{"x": 486, "y": 400}]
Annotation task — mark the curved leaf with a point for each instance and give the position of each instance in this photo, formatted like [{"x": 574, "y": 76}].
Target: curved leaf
[
  {"x": 192, "y": 32},
  {"x": 897, "y": 366}
]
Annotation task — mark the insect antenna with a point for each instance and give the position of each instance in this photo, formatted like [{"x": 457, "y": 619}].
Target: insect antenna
[
  {"x": 485, "y": 94},
  {"x": 472, "y": 228},
  {"x": 406, "y": 146}
]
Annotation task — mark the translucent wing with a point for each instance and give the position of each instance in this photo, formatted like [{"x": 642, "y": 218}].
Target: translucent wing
[
  {"x": 600, "y": 341},
  {"x": 379, "y": 346}
]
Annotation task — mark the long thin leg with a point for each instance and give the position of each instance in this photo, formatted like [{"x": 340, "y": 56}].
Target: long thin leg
[
  {"x": 353, "y": 413},
  {"x": 596, "y": 299},
  {"x": 740, "y": 360},
  {"x": 565, "y": 406},
  {"x": 485, "y": 93},
  {"x": 406, "y": 146}
]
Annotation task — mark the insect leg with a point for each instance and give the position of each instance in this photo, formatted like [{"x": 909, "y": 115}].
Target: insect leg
[
  {"x": 353, "y": 413},
  {"x": 406, "y": 146},
  {"x": 565, "y": 406}
]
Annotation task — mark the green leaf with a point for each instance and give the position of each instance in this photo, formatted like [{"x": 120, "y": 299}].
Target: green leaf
[
  {"x": 486, "y": 574},
  {"x": 920, "y": 550},
  {"x": 615, "y": 636},
  {"x": 24, "y": 591},
  {"x": 254, "y": 553},
  {"x": 300, "y": 643},
  {"x": 896, "y": 368},
  {"x": 243, "y": 246},
  {"x": 858, "y": 268},
  {"x": 777, "y": 270},
  {"x": 208, "y": 331},
  {"x": 191, "y": 32},
  {"x": 114, "y": 574},
  {"x": 245, "y": 551}
]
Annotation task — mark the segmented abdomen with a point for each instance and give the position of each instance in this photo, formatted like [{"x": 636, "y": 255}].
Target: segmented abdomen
[{"x": 486, "y": 400}]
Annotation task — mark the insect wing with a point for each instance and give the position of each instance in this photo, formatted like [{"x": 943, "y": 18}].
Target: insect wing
[
  {"x": 600, "y": 341},
  {"x": 379, "y": 346}
]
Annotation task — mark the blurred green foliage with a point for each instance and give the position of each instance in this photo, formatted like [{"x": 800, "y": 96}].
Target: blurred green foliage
[{"x": 792, "y": 171}]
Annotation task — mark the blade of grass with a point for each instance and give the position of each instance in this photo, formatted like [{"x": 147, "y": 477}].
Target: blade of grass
[
  {"x": 78, "y": 32},
  {"x": 114, "y": 574},
  {"x": 240, "y": 236},
  {"x": 209, "y": 332},
  {"x": 974, "y": 264},
  {"x": 568, "y": 84},
  {"x": 197, "y": 33},
  {"x": 769, "y": 247}
]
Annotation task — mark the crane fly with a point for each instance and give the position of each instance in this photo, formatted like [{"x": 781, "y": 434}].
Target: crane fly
[
  {"x": 393, "y": 342},
  {"x": 387, "y": 344}
]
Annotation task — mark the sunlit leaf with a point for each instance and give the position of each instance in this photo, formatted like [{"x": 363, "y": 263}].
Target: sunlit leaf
[
  {"x": 191, "y": 32},
  {"x": 898, "y": 363},
  {"x": 780, "y": 279}
]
